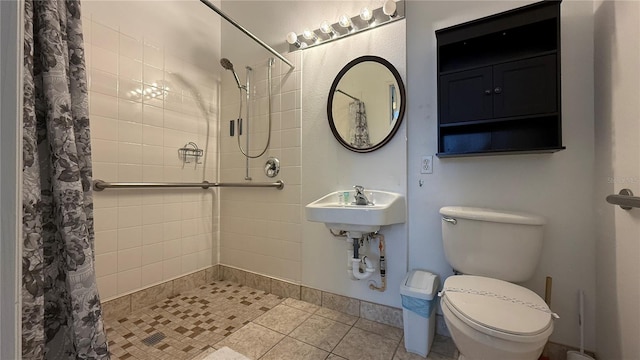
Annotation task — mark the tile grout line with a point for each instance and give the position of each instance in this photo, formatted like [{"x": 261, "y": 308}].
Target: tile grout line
[
  {"x": 336, "y": 345},
  {"x": 342, "y": 338},
  {"x": 287, "y": 335},
  {"x": 311, "y": 314},
  {"x": 395, "y": 352},
  {"x": 274, "y": 345}
]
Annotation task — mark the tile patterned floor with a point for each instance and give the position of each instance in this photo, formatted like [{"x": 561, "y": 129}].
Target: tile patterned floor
[{"x": 258, "y": 325}]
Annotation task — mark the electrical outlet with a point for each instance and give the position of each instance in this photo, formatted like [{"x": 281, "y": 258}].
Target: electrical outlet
[{"x": 426, "y": 165}]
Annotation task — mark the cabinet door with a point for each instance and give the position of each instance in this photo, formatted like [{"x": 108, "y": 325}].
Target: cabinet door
[
  {"x": 466, "y": 96},
  {"x": 525, "y": 87}
]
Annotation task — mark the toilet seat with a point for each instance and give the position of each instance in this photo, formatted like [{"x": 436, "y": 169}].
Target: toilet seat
[{"x": 498, "y": 308}]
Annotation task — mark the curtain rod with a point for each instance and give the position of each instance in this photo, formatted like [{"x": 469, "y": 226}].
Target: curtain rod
[
  {"x": 99, "y": 185},
  {"x": 247, "y": 32},
  {"x": 353, "y": 97}
]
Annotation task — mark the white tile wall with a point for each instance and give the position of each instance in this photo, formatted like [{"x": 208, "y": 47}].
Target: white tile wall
[
  {"x": 147, "y": 236},
  {"x": 260, "y": 229}
]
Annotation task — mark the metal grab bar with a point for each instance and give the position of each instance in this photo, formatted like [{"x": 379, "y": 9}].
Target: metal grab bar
[
  {"x": 625, "y": 199},
  {"x": 247, "y": 32},
  {"x": 99, "y": 185}
]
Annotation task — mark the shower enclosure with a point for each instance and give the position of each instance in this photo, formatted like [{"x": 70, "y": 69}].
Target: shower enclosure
[{"x": 153, "y": 90}]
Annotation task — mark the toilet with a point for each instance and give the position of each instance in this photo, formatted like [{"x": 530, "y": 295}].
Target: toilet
[{"x": 489, "y": 317}]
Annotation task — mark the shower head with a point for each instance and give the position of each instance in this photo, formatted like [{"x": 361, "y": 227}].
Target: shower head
[
  {"x": 229, "y": 66},
  {"x": 226, "y": 63}
]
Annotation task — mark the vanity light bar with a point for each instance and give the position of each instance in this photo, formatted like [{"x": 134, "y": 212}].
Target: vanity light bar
[{"x": 368, "y": 19}]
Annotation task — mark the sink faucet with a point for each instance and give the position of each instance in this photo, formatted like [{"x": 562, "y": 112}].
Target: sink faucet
[{"x": 360, "y": 198}]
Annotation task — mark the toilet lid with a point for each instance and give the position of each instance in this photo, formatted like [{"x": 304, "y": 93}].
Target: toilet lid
[{"x": 497, "y": 304}]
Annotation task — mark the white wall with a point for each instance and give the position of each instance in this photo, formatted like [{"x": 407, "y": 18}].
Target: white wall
[
  {"x": 617, "y": 138},
  {"x": 328, "y": 167},
  {"x": 558, "y": 186},
  {"x": 144, "y": 237}
]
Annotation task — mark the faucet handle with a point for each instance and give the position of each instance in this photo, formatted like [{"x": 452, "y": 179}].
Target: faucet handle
[{"x": 359, "y": 189}]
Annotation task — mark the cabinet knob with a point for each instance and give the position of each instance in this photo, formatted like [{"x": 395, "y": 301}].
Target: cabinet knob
[
  {"x": 487, "y": 92},
  {"x": 497, "y": 90}
]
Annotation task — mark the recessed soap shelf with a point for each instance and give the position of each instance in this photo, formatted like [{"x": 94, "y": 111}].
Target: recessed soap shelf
[{"x": 190, "y": 150}]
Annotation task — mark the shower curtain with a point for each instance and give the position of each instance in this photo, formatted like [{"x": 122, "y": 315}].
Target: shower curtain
[
  {"x": 61, "y": 312},
  {"x": 359, "y": 128}
]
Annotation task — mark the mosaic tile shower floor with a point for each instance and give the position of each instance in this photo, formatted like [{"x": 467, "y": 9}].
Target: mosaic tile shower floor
[{"x": 259, "y": 326}]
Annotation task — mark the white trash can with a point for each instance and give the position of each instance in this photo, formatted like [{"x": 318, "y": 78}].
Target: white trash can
[{"x": 418, "y": 291}]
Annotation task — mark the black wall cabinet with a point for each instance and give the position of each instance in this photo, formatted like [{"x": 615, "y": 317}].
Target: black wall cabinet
[{"x": 499, "y": 83}]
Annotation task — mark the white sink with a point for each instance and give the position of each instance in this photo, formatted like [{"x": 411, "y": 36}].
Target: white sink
[{"x": 388, "y": 208}]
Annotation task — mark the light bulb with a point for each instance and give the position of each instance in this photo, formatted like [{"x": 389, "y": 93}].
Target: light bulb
[
  {"x": 326, "y": 28},
  {"x": 292, "y": 39},
  {"x": 309, "y": 35},
  {"x": 389, "y": 8},
  {"x": 366, "y": 14},
  {"x": 344, "y": 21}
]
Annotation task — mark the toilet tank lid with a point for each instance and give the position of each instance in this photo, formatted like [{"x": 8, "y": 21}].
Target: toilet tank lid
[{"x": 499, "y": 216}]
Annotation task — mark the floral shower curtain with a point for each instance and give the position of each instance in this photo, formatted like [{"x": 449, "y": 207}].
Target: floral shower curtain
[
  {"x": 61, "y": 312},
  {"x": 359, "y": 127}
]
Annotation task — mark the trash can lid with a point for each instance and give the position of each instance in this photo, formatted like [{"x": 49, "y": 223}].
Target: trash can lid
[{"x": 420, "y": 284}]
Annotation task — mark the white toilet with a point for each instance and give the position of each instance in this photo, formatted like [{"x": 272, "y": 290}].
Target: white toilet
[{"x": 489, "y": 317}]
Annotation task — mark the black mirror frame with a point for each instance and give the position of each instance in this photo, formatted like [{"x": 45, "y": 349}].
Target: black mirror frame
[{"x": 334, "y": 86}]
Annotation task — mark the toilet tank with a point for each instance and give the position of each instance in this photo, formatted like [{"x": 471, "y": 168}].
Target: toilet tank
[{"x": 498, "y": 244}]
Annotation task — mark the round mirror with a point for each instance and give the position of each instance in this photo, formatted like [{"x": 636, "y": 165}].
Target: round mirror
[{"x": 366, "y": 104}]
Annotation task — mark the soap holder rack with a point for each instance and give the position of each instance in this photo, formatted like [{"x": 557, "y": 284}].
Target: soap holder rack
[{"x": 190, "y": 150}]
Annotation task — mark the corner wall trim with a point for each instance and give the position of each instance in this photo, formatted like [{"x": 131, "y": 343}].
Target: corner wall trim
[{"x": 11, "y": 39}]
